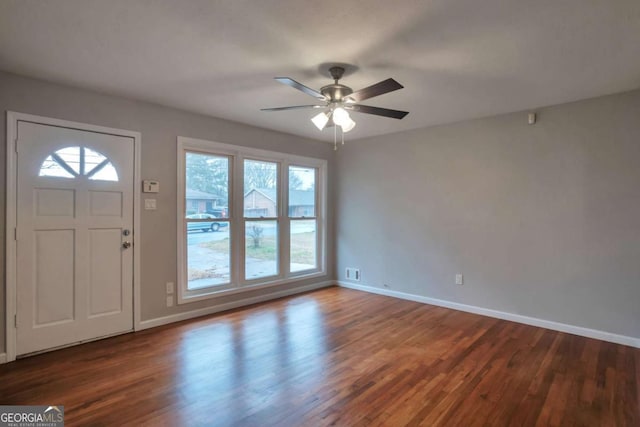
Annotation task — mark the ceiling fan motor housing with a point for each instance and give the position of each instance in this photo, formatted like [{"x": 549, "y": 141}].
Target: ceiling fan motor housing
[{"x": 336, "y": 92}]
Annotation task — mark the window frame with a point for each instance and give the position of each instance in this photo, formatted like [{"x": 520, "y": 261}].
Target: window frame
[{"x": 235, "y": 212}]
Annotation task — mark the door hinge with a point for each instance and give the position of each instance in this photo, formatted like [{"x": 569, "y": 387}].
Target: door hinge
[
  {"x": 15, "y": 146},
  {"x": 15, "y": 321},
  {"x": 15, "y": 234}
]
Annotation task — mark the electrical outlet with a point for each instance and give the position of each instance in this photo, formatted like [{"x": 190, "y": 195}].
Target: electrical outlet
[
  {"x": 169, "y": 288},
  {"x": 459, "y": 279},
  {"x": 170, "y": 301}
]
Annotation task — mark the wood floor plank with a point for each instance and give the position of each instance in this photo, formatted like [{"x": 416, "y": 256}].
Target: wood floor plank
[{"x": 336, "y": 357}]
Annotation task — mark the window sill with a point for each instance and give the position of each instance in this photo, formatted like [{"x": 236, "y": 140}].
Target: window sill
[{"x": 217, "y": 293}]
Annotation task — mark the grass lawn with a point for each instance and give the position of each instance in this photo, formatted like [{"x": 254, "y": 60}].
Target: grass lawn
[{"x": 303, "y": 247}]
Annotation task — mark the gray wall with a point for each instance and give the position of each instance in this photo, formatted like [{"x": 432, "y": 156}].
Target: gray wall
[
  {"x": 542, "y": 220},
  {"x": 160, "y": 127}
]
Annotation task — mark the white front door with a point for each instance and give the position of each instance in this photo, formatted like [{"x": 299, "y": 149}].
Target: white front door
[{"x": 74, "y": 210}]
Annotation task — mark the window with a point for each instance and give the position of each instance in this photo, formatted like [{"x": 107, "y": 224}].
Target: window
[
  {"x": 303, "y": 221},
  {"x": 248, "y": 218},
  {"x": 205, "y": 225},
  {"x": 261, "y": 219},
  {"x": 71, "y": 162}
]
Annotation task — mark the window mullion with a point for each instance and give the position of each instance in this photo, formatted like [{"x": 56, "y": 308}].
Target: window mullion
[
  {"x": 238, "y": 238},
  {"x": 285, "y": 240}
]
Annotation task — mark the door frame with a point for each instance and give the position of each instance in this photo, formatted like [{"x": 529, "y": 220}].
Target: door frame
[{"x": 13, "y": 118}]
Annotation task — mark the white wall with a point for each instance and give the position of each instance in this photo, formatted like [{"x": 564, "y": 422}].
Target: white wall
[{"x": 543, "y": 220}]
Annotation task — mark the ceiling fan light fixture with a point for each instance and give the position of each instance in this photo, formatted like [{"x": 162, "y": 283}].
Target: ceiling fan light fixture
[
  {"x": 320, "y": 120},
  {"x": 337, "y": 99},
  {"x": 350, "y": 124},
  {"x": 341, "y": 116}
]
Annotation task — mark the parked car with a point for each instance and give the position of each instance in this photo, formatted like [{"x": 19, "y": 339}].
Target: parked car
[
  {"x": 220, "y": 212},
  {"x": 204, "y": 225}
]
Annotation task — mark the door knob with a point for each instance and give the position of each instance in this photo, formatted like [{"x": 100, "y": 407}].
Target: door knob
[{"x": 126, "y": 245}]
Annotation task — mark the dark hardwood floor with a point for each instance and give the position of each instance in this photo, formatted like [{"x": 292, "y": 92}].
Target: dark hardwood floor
[{"x": 336, "y": 357}]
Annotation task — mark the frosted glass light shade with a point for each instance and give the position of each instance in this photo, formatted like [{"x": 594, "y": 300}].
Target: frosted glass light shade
[
  {"x": 320, "y": 120},
  {"x": 348, "y": 125},
  {"x": 340, "y": 116}
]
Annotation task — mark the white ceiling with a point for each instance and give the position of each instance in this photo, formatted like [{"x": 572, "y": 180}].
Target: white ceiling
[{"x": 458, "y": 59}]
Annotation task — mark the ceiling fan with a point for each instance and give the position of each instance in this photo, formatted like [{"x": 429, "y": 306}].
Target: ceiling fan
[{"x": 336, "y": 100}]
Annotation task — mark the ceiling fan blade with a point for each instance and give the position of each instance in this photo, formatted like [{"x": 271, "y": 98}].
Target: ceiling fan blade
[
  {"x": 377, "y": 89},
  {"x": 385, "y": 112},
  {"x": 294, "y": 84},
  {"x": 293, "y": 107}
]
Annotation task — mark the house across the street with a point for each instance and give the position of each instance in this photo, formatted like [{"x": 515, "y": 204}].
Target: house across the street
[
  {"x": 201, "y": 202},
  {"x": 262, "y": 202}
]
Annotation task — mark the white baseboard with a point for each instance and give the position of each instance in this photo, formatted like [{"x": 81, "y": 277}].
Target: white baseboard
[
  {"x": 3, "y": 358},
  {"x": 152, "y": 323},
  {"x": 533, "y": 321}
]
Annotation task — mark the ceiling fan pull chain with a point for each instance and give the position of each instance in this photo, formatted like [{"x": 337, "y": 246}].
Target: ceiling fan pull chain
[
  {"x": 342, "y": 133},
  {"x": 335, "y": 138}
]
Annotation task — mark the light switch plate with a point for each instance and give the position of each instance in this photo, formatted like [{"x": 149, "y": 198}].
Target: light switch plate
[
  {"x": 150, "y": 204},
  {"x": 170, "y": 301},
  {"x": 169, "y": 288}
]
